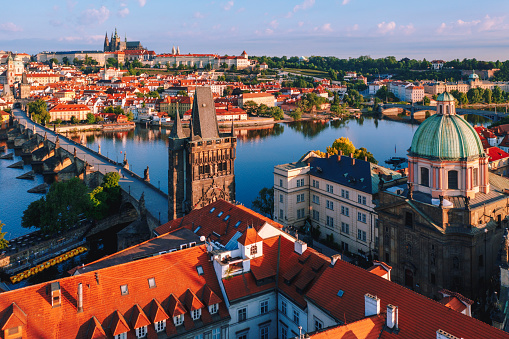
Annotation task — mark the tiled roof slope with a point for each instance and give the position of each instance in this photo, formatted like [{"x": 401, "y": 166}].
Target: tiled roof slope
[
  {"x": 174, "y": 274},
  {"x": 368, "y": 328},
  {"x": 225, "y": 227},
  {"x": 418, "y": 316},
  {"x": 310, "y": 265}
]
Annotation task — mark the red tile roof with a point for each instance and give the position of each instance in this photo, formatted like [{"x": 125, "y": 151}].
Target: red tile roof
[
  {"x": 192, "y": 301},
  {"x": 118, "y": 324},
  {"x": 368, "y": 328},
  {"x": 13, "y": 317},
  {"x": 138, "y": 318},
  {"x": 95, "y": 330},
  {"x": 453, "y": 303},
  {"x": 495, "y": 153},
  {"x": 209, "y": 297},
  {"x": 157, "y": 312},
  {"x": 418, "y": 316},
  {"x": 250, "y": 236}
]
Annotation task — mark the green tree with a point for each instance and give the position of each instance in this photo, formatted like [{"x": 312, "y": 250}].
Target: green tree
[
  {"x": 64, "y": 205},
  {"x": 182, "y": 93},
  {"x": 39, "y": 111},
  {"x": 341, "y": 144},
  {"x": 90, "y": 118},
  {"x": 74, "y": 120},
  {"x": 296, "y": 114},
  {"x": 363, "y": 153},
  {"x": 112, "y": 62},
  {"x": 277, "y": 113},
  {"x": 426, "y": 101},
  {"x": 251, "y": 107},
  {"x": 107, "y": 197},
  {"x": 487, "y": 96},
  {"x": 3, "y": 242},
  {"x": 65, "y": 60},
  {"x": 264, "y": 202}
]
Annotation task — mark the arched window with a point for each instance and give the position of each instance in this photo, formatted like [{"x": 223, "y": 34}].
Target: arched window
[
  {"x": 455, "y": 262},
  {"x": 424, "y": 176},
  {"x": 475, "y": 176},
  {"x": 452, "y": 180},
  {"x": 440, "y": 109},
  {"x": 447, "y": 109}
]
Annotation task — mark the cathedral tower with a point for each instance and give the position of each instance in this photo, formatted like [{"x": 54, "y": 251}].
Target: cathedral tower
[
  {"x": 106, "y": 43},
  {"x": 201, "y": 160}
]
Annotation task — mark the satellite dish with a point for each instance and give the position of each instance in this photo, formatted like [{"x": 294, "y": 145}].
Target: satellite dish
[{"x": 202, "y": 238}]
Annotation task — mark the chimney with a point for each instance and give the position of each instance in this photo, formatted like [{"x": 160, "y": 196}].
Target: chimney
[
  {"x": 441, "y": 334},
  {"x": 365, "y": 158},
  {"x": 353, "y": 159},
  {"x": 334, "y": 258},
  {"x": 327, "y": 155},
  {"x": 300, "y": 247},
  {"x": 371, "y": 305},
  {"x": 392, "y": 316},
  {"x": 56, "y": 299},
  {"x": 80, "y": 297}
]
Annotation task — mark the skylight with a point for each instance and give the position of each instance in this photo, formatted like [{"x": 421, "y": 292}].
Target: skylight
[
  {"x": 340, "y": 293},
  {"x": 227, "y": 217},
  {"x": 237, "y": 224},
  {"x": 151, "y": 282},
  {"x": 199, "y": 269},
  {"x": 220, "y": 214},
  {"x": 212, "y": 209},
  {"x": 197, "y": 229}
]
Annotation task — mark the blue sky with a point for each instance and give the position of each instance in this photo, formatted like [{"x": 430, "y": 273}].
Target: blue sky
[{"x": 432, "y": 29}]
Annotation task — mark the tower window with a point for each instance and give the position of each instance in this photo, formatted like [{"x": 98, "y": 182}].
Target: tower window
[
  {"x": 409, "y": 219},
  {"x": 475, "y": 176},
  {"x": 424, "y": 176},
  {"x": 452, "y": 179}
]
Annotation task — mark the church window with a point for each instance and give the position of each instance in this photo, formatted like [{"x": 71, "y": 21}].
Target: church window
[
  {"x": 452, "y": 179},
  {"x": 447, "y": 109},
  {"x": 475, "y": 176},
  {"x": 409, "y": 219},
  {"x": 424, "y": 176},
  {"x": 481, "y": 261},
  {"x": 440, "y": 109},
  {"x": 455, "y": 263}
]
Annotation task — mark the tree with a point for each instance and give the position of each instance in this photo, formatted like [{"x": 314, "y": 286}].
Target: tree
[
  {"x": 251, "y": 107},
  {"x": 106, "y": 198},
  {"x": 65, "y": 204},
  {"x": 426, "y": 101},
  {"x": 3, "y": 242},
  {"x": 112, "y": 62},
  {"x": 296, "y": 115},
  {"x": 74, "y": 120},
  {"x": 341, "y": 144},
  {"x": 39, "y": 111},
  {"x": 363, "y": 153},
  {"x": 53, "y": 61},
  {"x": 90, "y": 118},
  {"x": 65, "y": 61},
  {"x": 264, "y": 203},
  {"x": 182, "y": 93}
]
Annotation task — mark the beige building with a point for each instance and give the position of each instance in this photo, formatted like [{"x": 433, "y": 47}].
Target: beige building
[
  {"x": 463, "y": 87},
  {"x": 259, "y": 98},
  {"x": 337, "y": 194},
  {"x": 66, "y": 112},
  {"x": 171, "y": 105},
  {"x": 43, "y": 78},
  {"x": 65, "y": 95}
]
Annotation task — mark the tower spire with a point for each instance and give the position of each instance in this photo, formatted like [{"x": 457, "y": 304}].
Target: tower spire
[{"x": 177, "y": 132}]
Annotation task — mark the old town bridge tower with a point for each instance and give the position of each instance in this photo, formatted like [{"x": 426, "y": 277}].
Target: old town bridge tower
[{"x": 201, "y": 160}]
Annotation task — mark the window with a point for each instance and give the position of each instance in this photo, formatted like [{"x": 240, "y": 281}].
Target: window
[
  {"x": 300, "y": 182},
  {"x": 387, "y": 257},
  {"x": 424, "y": 176},
  {"x": 198, "y": 336},
  {"x": 452, "y": 180},
  {"x": 475, "y": 176},
  {"x": 151, "y": 282},
  {"x": 345, "y": 228},
  {"x": 254, "y": 250},
  {"x": 345, "y": 194},
  {"x": 409, "y": 219},
  {"x": 318, "y": 324},
  {"x": 242, "y": 314},
  {"x": 227, "y": 217},
  {"x": 296, "y": 317},
  {"x": 300, "y": 213},
  {"x": 283, "y": 307},
  {"x": 432, "y": 278},
  {"x": 455, "y": 263},
  {"x": 220, "y": 214},
  {"x": 121, "y": 336},
  {"x": 281, "y": 214},
  {"x": 284, "y": 332},
  {"x": 280, "y": 198},
  {"x": 264, "y": 306},
  {"x": 216, "y": 333},
  {"x": 481, "y": 261},
  {"x": 264, "y": 332},
  {"x": 316, "y": 199},
  {"x": 361, "y": 217},
  {"x": 345, "y": 211},
  {"x": 330, "y": 188},
  {"x": 361, "y": 235},
  {"x": 141, "y": 332},
  {"x": 280, "y": 182},
  {"x": 330, "y": 204},
  {"x": 196, "y": 314},
  {"x": 242, "y": 335},
  {"x": 330, "y": 221},
  {"x": 237, "y": 224},
  {"x": 160, "y": 325},
  {"x": 300, "y": 197},
  {"x": 199, "y": 270},
  {"x": 213, "y": 308},
  {"x": 361, "y": 199},
  {"x": 316, "y": 184},
  {"x": 178, "y": 320},
  {"x": 124, "y": 290},
  {"x": 316, "y": 215}
]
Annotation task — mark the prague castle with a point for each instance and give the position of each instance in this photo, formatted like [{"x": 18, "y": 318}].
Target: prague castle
[{"x": 116, "y": 45}]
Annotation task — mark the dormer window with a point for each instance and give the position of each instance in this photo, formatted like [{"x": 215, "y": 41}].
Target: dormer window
[
  {"x": 196, "y": 314},
  {"x": 121, "y": 336},
  {"x": 213, "y": 308},
  {"x": 160, "y": 325},
  {"x": 141, "y": 332},
  {"x": 124, "y": 290},
  {"x": 254, "y": 249},
  {"x": 151, "y": 282},
  {"x": 55, "y": 294},
  {"x": 178, "y": 320}
]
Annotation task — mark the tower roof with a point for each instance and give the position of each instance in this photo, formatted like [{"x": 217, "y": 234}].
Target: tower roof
[
  {"x": 446, "y": 96},
  {"x": 204, "y": 120},
  {"x": 177, "y": 132}
]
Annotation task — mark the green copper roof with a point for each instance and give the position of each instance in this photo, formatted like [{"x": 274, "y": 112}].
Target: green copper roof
[
  {"x": 446, "y": 96},
  {"x": 446, "y": 137}
]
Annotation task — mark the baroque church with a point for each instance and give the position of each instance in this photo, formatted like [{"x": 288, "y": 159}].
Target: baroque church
[
  {"x": 444, "y": 227},
  {"x": 201, "y": 159},
  {"x": 116, "y": 45}
]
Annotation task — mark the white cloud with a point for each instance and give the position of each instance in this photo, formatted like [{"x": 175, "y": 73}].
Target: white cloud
[
  {"x": 489, "y": 23},
  {"x": 384, "y": 28},
  {"x": 123, "y": 12},
  {"x": 408, "y": 29},
  {"x": 355, "y": 27},
  {"x": 199, "y": 15},
  {"x": 274, "y": 24},
  {"x": 228, "y": 5},
  {"x": 442, "y": 28},
  {"x": 269, "y": 31},
  {"x": 305, "y": 5},
  {"x": 10, "y": 27},
  {"x": 71, "y": 38},
  {"x": 461, "y": 27},
  {"x": 345, "y": 2},
  {"x": 142, "y": 2},
  {"x": 327, "y": 28},
  {"x": 94, "y": 16}
]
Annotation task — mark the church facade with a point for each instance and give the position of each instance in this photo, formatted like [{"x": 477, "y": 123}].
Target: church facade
[
  {"x": 201, "y": 159},
  {"x": 443, "y": 228}
]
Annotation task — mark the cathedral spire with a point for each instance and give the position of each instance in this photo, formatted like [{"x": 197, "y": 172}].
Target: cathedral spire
[
  {"x": 177, "y": 132},
  {"x": 204, "y": 120}
]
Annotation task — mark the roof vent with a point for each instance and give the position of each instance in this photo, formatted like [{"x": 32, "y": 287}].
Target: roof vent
[
  {"x": 392, "y": 316},
  {"x": 441, "y": 334},
  {"x": 80, "y": 297},
  {"x": 300, "y": 247},
  {"x": 56, "y": 294},
  {"x": 371, "y": 305}
]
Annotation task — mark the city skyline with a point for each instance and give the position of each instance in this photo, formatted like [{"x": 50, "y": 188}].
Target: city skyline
[{"x": 342, "y": 28}]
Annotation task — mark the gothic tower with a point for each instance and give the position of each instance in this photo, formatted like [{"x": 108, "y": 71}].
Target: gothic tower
[
  {"x": 201, "y": 161},
  {"x": 106, "y": 43},
  {"x": 10, "y": 71}
]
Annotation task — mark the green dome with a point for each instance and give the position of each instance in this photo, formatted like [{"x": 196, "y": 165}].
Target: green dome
[
  {"x": 446, "y": 137},
  {"x": 446, "y": 96}
]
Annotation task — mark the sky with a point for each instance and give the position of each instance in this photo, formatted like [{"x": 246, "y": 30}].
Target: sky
[{"x": 432, "y": 29}]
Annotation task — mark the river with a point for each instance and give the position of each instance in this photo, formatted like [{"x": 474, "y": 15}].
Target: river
[{"x": 258, "y": 151}]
